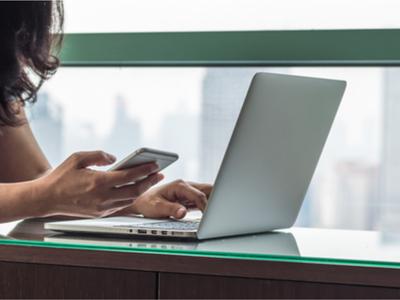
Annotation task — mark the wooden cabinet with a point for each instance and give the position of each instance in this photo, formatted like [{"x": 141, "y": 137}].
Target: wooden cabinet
[
  {"x": 22, "y": 280},
  {"x": 185, "y": 286},
  {"x": 36, "y": 272}
]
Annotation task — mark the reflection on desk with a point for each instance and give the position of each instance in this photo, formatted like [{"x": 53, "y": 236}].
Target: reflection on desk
[{"x": 277, "y": 243}]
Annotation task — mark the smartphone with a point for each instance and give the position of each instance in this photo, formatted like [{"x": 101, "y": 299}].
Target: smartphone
[{"x": 146, "y": 155}]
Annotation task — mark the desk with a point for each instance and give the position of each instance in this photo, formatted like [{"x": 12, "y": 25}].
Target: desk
[{"x": 296, "y": 263}]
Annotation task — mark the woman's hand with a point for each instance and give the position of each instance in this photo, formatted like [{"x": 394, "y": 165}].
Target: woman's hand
[
  {"x": 75, "y": 190},
  {"x": 170, "y": 200}
]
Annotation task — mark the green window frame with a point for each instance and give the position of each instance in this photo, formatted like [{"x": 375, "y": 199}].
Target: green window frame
[{"x": 380, "y": 47}]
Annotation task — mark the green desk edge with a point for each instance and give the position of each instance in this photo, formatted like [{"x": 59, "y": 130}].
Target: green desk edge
[
  {"x": 213, "y": 254},
  {"x": 375, "y": 47}
]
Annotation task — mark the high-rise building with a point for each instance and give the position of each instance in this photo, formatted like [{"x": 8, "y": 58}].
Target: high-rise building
[
  {"x": 81, "y": 136},
  {"x": 178, "y": 134},
  {"x": 125, "y": 135},
  {"x": 46, "y": 119},
  {"x": 390, "y": 172},
  {"x": 356, "y": 197}
]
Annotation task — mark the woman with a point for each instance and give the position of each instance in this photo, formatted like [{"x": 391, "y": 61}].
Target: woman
[{"x": 28, "y": 186}]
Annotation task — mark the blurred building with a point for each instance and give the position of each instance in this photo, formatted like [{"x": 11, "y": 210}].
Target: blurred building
[
  {"x": 125, "y": 135},
  {"x": 47, "y": 125},
  {"x": 357, "y": 194},
  {"x": 390, "y": 173},
  {"x": 179, "y": 134},
  {"x": 81, "y": 136},
  {"x": 326, "y": 206}
]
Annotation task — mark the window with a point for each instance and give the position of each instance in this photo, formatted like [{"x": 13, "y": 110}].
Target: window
[
  {"x": 192, "y": 111},
  {"x": 183, "y": 92}
]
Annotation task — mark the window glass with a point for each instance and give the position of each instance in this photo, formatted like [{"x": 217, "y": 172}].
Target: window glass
[
  {"x": 192, "y": 111},
  {"x": 214, "y": 15}
]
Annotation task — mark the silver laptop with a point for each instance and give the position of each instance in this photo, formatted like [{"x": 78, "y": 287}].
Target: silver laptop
[{"x": 266, "y": 170}]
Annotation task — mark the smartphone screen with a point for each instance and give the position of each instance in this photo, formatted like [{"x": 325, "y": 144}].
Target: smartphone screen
[{"x": 146, "y": 155}]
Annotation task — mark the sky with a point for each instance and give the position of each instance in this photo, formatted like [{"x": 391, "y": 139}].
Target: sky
[{"x": 205, "y": 15}]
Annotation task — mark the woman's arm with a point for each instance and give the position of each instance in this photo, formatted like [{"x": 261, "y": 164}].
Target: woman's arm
[
  {"x": 21, "y": 158},
  {"x": 20, "y": 201},
  {"x": 73, "y": 189},
  {"x": 29, "y": 189}
]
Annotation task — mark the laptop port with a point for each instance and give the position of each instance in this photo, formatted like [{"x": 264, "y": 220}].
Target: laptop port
[
  {"x": 142, "y": 231},
  {"x": 164, "y": 232},
  {"x": 154, "y": 232}
]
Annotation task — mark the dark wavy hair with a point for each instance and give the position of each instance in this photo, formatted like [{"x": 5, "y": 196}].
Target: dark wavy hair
[{"x": 30, "y": 39}]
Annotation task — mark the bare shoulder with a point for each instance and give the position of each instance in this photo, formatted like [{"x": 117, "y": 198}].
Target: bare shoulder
[{"x": 20, "y": 155}]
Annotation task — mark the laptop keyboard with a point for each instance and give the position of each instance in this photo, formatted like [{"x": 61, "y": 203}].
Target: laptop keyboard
[{"x": 167, "y": 225}]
